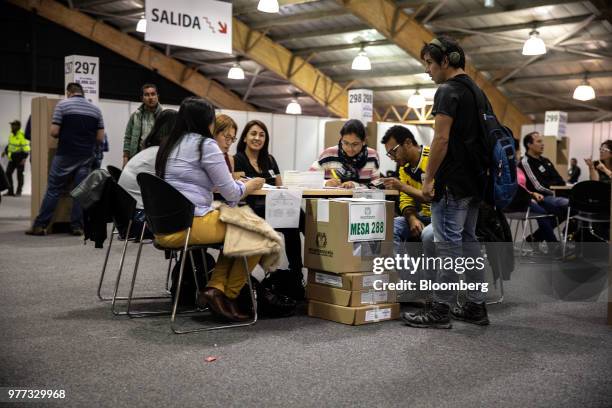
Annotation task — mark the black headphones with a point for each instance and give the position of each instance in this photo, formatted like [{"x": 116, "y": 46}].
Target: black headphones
[{"x": 453, "y": 57}]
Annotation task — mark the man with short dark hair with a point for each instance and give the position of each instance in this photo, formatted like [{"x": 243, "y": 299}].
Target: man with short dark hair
[
  {"x": 541, "y": 175},
  {"x": 412, "y": 160},
  {"x": 456, "y": 165},
  {"x": 78, "y": 126},
  {"x": 141, "y": 122}
]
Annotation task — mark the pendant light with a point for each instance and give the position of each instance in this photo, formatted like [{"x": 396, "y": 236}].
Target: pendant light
[
  {"x": 294, "y": 108},
  {"x": 268, "y": 6},
  {"x": 141, "y": 27},
  {"x": 361, "y": 61},
  {"x": 534, "y": 44},
  {"x": 416, "y": 101},
  {"x": 489, "y": 3},
  {"x": 584, "y": 91},
  {"x": 236, "y": 72}
]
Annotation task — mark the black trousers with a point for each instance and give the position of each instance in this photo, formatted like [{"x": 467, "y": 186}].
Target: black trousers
[
  {"x": 15, "y": 163},
  {"x": 293, "y": 241}
]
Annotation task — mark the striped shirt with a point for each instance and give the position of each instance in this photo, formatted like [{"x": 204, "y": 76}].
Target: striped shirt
[
  {"x": 79, "y": 121},
  {"x": 331, "y": 163},
  {"x": 413, "y": 177}
]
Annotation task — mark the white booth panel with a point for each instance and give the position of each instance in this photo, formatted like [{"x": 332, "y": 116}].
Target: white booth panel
[
  {"x": 306, "y": 144},
  {"x": 283, "y": 141}
]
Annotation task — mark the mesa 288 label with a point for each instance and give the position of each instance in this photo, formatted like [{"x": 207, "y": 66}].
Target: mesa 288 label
[{"x": 367, "y": 221}]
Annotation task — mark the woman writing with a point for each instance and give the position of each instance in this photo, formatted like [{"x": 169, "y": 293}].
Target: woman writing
[
  {"x": 191, "y": 161},
  {"x": 225, "y": 135},
  {"x": 352, "y": 163}
]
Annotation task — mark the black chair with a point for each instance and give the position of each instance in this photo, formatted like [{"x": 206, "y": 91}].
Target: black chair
[
  {"x": 519, "y": 211},
  {"x": 115, "y": 172},
  {"x": 590, "y": 202},
  {"x": 167, "y": 211},
  {"x": 123, "y": 208}
]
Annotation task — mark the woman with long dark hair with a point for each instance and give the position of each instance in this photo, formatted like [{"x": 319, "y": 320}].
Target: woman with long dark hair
[
  {"x": 601, "y": 170},
  {"x": 191, "y": 161},
  {"x": 252, "y": 158}
]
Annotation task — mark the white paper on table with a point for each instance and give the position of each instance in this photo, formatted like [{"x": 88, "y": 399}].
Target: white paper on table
[
  {"x": 322, "y": 210},
  {"x": 283, "y": 208},
  {"x": 370, "y": 194}
]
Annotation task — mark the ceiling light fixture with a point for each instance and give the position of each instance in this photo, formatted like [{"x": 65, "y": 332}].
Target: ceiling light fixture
[
  {"x": 534, "y": 44},
  {"x": 416, "y": 101},
  {"x": 489, "y": 3},
  {"x": 294, "y": 108},
  {"x": 361, "y": 62},
  {"x": 268, "y": 6},
  {"x": 584, "y": 91},
  {"x": 141, "y": 27},
  {"x": 235, "y": 72}
]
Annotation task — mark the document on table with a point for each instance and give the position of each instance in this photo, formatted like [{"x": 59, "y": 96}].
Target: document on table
[{"x": 283, "y": 208}]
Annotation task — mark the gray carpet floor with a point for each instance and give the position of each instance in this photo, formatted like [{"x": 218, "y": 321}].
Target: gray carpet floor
[{"x": 55, "y": 334}]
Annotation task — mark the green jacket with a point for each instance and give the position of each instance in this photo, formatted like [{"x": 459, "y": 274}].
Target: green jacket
[
  {"x": 17, "y": 143},
  {"x": 138, "y": 127}
]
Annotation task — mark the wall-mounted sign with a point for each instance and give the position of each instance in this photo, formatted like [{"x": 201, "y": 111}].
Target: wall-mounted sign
[
  {"x": 555, "y": 124},
  {"x": 361, "y": 105},
  {"x": 201, "y": 24},
  {"x": 85, "y": 71}
]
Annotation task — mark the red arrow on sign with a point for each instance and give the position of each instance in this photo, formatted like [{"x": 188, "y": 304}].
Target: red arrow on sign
[{"x": 223, "y": 27}]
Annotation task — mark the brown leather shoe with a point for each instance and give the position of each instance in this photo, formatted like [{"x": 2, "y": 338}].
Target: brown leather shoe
[
  {"x": 233, "y": 308},
  {"x": 217, "y": 302}
]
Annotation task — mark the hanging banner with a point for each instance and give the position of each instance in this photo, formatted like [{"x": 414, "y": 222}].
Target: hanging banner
[
  {"x": 86, "y": 72},
  {"x": 201, "y": 24},
  {"x": 555, "y": 124},
  {"x": 361, "y": 105}
]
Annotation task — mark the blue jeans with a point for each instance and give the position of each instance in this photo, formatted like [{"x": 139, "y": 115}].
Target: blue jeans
[
  {"x": 401, "y": 231},
  {"x": 549, "y": 205},
  {"x": 64, "y": 169},
  {"x": 454, "y": 228}
]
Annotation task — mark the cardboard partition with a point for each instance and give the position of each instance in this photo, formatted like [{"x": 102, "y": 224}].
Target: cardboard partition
[
  {"x": 326, "y": 239},
  {"x": 354, "y": 298},
  {"x": 43, "y": 151},
  {"x": 354, "y": 316},
  {"x": 332, "y": 133}
]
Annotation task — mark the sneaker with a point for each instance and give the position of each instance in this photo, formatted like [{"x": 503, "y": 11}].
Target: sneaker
[
  {"x": 437, "y": 317},
  {"x": 471, "y": 312},
  {"x": 77, "y": 232},
  {"x": 36, "y": 230}
]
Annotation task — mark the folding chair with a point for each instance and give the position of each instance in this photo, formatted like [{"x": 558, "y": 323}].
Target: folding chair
[
  {"x": 123, "y": 208},
  {"x": 115, "y": 172},
  {"x": 590, "y": 200},
  {"x": 520, "y": 212},
  {"x": 167, "y": 211}
]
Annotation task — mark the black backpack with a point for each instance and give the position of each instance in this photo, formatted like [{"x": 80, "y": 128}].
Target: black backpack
[{"x": 499, "y": 154}]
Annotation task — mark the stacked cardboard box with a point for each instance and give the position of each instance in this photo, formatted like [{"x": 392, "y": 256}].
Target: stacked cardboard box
[{"x": 340, "y": 278}]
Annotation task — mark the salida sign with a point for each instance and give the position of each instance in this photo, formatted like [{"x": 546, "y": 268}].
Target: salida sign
[{"x": 201, "y": 24}]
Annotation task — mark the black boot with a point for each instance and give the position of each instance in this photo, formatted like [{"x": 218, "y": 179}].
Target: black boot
[
  {"x": 437, "y": 317},
  {"x": 286, "y": 282},
  {"x": 471, "y": 312}
]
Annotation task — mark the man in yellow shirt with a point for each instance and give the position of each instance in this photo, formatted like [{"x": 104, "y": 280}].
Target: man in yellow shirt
[
  {"x": 18, "y": 149},
  {"x": 412, "y": 159}
]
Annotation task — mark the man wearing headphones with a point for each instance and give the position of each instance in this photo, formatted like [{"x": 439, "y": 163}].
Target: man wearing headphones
[{"x": 455, "y": 165}]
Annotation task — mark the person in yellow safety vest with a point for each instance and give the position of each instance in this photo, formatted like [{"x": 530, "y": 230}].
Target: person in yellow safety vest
[{"x": 18, "y": 149}]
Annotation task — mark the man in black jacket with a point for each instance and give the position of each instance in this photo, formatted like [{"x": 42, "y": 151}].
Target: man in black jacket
[{"x": 541, "y": 175}]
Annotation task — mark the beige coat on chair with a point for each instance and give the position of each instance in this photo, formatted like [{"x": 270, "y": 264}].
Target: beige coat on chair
[{"x": 248, "y": 234}]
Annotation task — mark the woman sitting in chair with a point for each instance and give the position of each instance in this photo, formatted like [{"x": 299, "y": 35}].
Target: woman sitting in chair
[
  {"x": 351, "y": 163},
  {"x": 601, "y": 170},
  {"x": 190, "y": 160}
]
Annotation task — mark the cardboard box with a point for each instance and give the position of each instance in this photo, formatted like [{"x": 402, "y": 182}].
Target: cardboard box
[
  {"x": 349, "y": 281},
  {"x": 354, "y": 315},
  {"x": 328, "y": 233},
  {"x": 352, "y": 298}
]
